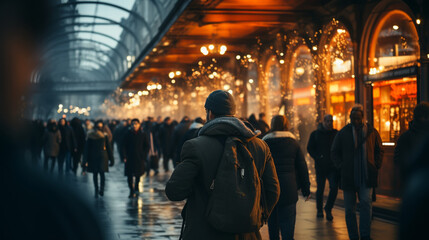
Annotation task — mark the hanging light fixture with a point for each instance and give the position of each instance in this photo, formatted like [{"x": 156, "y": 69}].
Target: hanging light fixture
[{"x": 213, "y": 49}]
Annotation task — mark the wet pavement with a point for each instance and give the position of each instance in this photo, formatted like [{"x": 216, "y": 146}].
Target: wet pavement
[{"x": 152, "y": 216}]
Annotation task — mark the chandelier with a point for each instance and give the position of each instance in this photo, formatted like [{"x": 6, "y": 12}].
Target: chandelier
[{"x": 213, "y": 49}]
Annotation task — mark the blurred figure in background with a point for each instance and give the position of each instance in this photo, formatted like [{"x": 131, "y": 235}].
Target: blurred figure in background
[
  {"x": 80, "y": 137},
  {"x": 67, "y": 146},
  {"x": 252, "y": 120},
  {"x": 37, "y": 132},
  {"x": 118, "y": 138},
  {"x": 165, "y": 138},
  {"x": 263, "y": 125},
  {"x": 179, "y": 132},
  {"x": 136, "y": 146},
  {"x": 97, "y": 155},
  {"x": 51, "y": 144},
  {"x": 55, "y": 211},
  {"x": 319, "y": 148},
  {"x": 292, "y": 172},
  {"x": 193, "y": 131}
]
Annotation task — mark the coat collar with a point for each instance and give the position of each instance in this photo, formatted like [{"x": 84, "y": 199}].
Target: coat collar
[{"x": 279, "y": 134}]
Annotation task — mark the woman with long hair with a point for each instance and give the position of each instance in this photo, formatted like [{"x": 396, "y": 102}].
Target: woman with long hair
[{"x": 292, "y": 172}]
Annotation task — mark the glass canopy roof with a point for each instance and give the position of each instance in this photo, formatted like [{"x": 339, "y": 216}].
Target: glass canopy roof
[{"x": 98, "y": 41}]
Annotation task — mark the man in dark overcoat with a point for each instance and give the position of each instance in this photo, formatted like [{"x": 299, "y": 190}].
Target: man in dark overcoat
[
  {"x": 357, "y": 152},
  {"x": 135, "y": 150}
]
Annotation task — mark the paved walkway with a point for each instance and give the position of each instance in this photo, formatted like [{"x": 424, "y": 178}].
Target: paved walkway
[{"x": 152, "y": 216}]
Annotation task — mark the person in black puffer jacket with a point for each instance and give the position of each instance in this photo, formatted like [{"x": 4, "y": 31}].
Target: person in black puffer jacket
[{"x": 292, "y": 172}]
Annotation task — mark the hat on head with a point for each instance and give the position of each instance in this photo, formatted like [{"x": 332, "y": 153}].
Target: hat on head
[{"x": 220, "y": 103}]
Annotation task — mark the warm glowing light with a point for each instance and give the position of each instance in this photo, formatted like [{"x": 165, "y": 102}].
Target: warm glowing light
[
  {"x": 251, "y": 81},
  {"x": 171, "y": 75},
  {"x": 204, "y": 50},
  {"x": 159, "y": 87},
  {"x": 175, "y": 102},
  {"x": 395, "y": 27},
  {"x": 211, "y": 76},
  {"x": 130, "y": 94},
  {"x": 387, "y": 123},
  {"x": 299, "y": 71},
  {"x": 282, "y": 61},
  {"x": 230, "y": 91},
  {"x": 145, "y": 93},
  {"x": 226, "y": 87},
  {"x": 338, "y": 61},
  {"x": 427, "y": 55},
  {"x": 418, "y": 21},
  {"x": 140, "y": 93},
  {"x": 238, "y": 57},
  {"x": 249, "y": 56},
  {"x": 314, "y": 85},
  {"x": 173, "y": 81},
  {"x": 340, "y": 30},
  {"x": 178, "y": 73},
  {"x": 149, "y": 87},
  {"x": 60, "y": 106},
  {"x": 222, "y": 50},
  {"x": 154, "y": 49},
  {"x": 66, "y": 110},
  {"x": 314, "y": 48},
  {"x": 211, "y": 46}
]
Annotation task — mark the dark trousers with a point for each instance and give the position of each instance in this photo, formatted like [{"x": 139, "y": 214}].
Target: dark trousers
[
  {"x": 76, "y": 160},
  {"x": 133, "y": 185},
  {"x": 165, "y": 159},
  {"x": 365, "y": 210},
  {"x": 282, "y": 218},
  {"x": 102, "y": 181},
  {"x": 333, "y": 177},
  {"x": 45, "y": 164},
  {"x": 64, "y": 156}
]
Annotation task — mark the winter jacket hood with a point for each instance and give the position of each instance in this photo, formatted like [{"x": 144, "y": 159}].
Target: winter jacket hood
[
  {"x": 229, "y": 126},
  {"x": 279, "y": 134}
]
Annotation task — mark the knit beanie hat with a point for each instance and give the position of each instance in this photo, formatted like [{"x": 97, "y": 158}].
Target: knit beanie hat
[{"x": 221, "y": 103}]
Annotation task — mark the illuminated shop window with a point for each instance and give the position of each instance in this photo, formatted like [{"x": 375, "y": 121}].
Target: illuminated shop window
[
  {"x": 273, "y": 87},
  {"x": 253, "y": 98},
  {"x": 395, "y": 44},
  {"x": 303, "y": 90},
  {"x": 394, "y": 101},
  {"x": 341, "y": 82}
]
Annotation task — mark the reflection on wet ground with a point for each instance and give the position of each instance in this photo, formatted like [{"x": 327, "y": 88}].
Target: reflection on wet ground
[{"x": 152, "y": 216}]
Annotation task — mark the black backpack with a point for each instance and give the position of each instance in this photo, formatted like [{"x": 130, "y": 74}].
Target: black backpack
[{"x": 237, "y": 200}]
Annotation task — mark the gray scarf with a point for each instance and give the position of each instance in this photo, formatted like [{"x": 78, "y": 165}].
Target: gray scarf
[{"x": 360, "y": 156}]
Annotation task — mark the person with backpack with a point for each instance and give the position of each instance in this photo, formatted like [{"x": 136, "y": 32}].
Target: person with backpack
[
  {"x": 218, "y": 206},
  {"x": 293, "y": 175}
]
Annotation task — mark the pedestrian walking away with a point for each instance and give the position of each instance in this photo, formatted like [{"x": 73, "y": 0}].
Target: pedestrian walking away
[
  {"x": 292, "y": 172},
  {"x": 203, "y": 179}
]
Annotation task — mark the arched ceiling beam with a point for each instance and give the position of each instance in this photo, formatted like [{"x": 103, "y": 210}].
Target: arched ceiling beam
[
  {"x": 61, "y": 57},
  {"x": 127, "y": 29},
  {"x": 61, "y": 43},
  {"x": 134, "y": 14},
  {"x": 88, "y": 59},
  {"x": 56, "y": 50},
  {"x": 69, "y": 33}
]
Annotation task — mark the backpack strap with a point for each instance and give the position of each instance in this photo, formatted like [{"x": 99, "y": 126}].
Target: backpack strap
[{"x": 221, "y": 139}]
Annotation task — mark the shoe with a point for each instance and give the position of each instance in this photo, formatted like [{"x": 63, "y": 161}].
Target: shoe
[
  {"x": 101, "y": 193},
  {"x": 329, "y": 216},
  {"x": 319, "y": 214}
]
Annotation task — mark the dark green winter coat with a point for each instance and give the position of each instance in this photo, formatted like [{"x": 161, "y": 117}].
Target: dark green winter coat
[
  {"x": 199, "y": 159},
  {"x": 342, "y": 153},
  {"x": 98, "y": 152}
]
